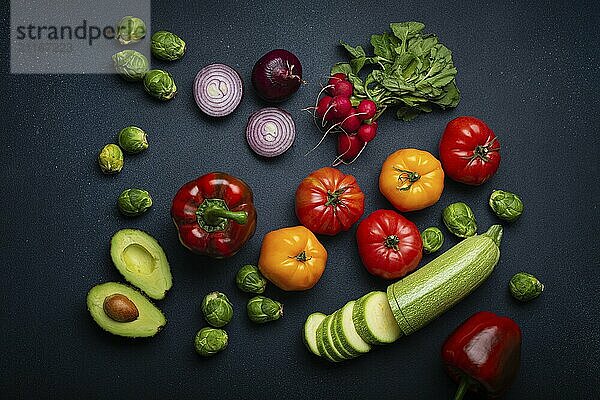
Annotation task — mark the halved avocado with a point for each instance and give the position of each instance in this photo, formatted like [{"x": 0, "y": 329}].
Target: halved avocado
[
  {"x": 141, "y": 261},
  {"x": 148, "y": 322}
]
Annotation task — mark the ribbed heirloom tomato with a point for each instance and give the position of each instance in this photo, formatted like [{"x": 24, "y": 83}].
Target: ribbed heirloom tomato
[
  {"x": 411, "y": 179},
  {"x": 389, "y": 245},
  {"x": 328, "y": 201},
  {"x": 469, "y": 151}
]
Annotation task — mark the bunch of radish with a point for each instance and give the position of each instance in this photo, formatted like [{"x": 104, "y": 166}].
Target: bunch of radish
[{"x": 354, "y": 126}]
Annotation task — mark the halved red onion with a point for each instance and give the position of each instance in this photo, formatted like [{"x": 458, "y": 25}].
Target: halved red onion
[
  {"x": 270, "y": 131},
  {"x": 218, "y": 90}
]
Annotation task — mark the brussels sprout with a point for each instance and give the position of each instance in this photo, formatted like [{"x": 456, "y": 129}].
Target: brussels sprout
[
  {"x": 110, "y": 159},
  {"x": 262, "y": 309},
  {"x": 459, "y": 219},
  {"x": 133, "y": 140},
  {"x": 217, "y": 309},
  {"x": 131, "y": 65},
  {"x": 167, "y": 46},
  {"x": 134, "y": 202},
  {"x": 210, "y": 341},
  {"x": 525, "y": 287},
  {"x": 250, "y": 280},
  {"x": 433, "y": 239},
  {"x": 160, "y": 84},
  {"x": 506, "y": 205},
  {"x": 130, "y": 30}
]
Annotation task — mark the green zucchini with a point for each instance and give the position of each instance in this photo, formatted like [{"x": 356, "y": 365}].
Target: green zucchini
[
  {"x": 374, "y": 320},
  {"x": 434, "y": 288},
  {"x": 321, "y": 343},
  {"x": 309, "y": 333},
  {"x": 347, "y": 332},
  {"x": 328, "y": 340}
]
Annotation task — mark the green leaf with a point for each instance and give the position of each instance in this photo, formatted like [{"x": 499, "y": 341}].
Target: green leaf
[
  {"x": 359, "y": 87},
  {"x": 406, "y": 30},
  {"x": 357, "y": 64},
  {"x": 382, "y": 46},
  {"x": 355, "y": 52},
  {"x": 451, "y": 97},
  {"x": 343, "y": 68}
]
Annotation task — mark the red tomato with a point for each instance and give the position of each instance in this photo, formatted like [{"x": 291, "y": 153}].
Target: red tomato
[
  {"x": 469, "y": 151},
  {"x": 390, "y": 246},
  {"x": 328, "y": 201}
]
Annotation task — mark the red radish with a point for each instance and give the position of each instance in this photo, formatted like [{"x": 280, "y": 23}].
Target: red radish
[
  {"x": 367, "y": 109},
  {"x": 367, "y": 132},
  {"x": 340, "y": 107},
  {"x": 323, "y": 105},
  {"x": 335, "y": 78},
  {"x": 342, "y": 88},
  {"x": 352, "y": 122},
  {"x": 348, "y": 147}
]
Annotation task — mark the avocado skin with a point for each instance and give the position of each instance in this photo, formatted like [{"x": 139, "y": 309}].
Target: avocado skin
[
  {"x": 149, "y": 322},
  {"x": 156, "y": 279}
]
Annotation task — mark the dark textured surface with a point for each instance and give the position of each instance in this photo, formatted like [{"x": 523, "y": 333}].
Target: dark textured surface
[{"x": 529, "y": 69}]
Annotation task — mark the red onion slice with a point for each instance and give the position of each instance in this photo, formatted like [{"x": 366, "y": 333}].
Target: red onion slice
[
  {"x": 218, "y": 90},
  {"x": 270, "y": 131}
]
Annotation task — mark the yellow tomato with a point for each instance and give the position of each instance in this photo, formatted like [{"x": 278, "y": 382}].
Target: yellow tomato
[
  {"x": 292, "y": 258},
  {"x": 411, "y": 179}
]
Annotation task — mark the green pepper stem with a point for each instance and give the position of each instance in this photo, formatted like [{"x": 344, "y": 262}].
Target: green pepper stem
[
  {"x": 462, "y": 388},
  {"x": 214, "y": 214},
  {"x": 495, "y": 233}
]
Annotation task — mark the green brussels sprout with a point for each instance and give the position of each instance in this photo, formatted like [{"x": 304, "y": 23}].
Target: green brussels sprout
[
  {"x": 217, "y": 309},
  {"x": 210, "y": 341},
  {"x": 525, "y": 287},
  {"x": 506, "y": 205},
  {"x": 131, "y": 65},
  {"x": 250, "y": 280},
  {"x": 459, "y": 219},
  {"x": 160, "y": 84},
  {"x": 134, "y": 202},
  {"x": 262, "y": 309},
  {"x": 110, "y": 159},
  {"x": 133, "y": 139},
  {"x": 130, "y": 30},
  {"x": 433, "y": 239},
  {"x": 167, "y": 46}
]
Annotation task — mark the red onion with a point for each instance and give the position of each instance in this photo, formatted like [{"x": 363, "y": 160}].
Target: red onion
[
  {"x": 277, "y": 75},
  {"x": 218, "y": 90},
  {"x": 270, "y": 131}
]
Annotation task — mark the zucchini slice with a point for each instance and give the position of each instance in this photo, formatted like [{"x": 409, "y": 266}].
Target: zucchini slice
[
  {"x": 347, "y": 332},
  {"x": 321, "y": 344},
  {"x": 374, "y": 320},
  {"x": 328, "y": 341},
  {"x": 337, "y": 343},
  {"x": 309, "y": 333}
]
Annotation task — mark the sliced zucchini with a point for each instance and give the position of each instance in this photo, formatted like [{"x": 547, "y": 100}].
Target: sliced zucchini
[
  {"x": 373, "y": 319},
  {"x": 321, "y": 345},
  {"x": 328, "y": 342},
  {"x": 309, "y": 333},
  {"x": 345, "y": 351},
  {"x": 347, "y": 332}
]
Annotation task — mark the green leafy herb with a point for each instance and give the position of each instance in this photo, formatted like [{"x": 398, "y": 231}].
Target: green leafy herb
[{"x": 411, "y": 71}]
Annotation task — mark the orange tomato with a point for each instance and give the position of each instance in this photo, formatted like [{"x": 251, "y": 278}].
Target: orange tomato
[
  {"x": 411, "y": 179},
  {"x": 292, "y": 258}
]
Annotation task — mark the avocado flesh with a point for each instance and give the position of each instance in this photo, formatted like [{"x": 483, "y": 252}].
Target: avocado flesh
[
  {"x": 149, "y": 322},
  {"x": 141, "y": 261}
]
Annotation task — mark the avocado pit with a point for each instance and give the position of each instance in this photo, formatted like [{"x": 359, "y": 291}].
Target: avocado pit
[{"x": 119, "y": 308}]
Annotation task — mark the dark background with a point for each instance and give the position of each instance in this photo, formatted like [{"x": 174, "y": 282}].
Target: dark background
[{"x": 529, "y": 69}]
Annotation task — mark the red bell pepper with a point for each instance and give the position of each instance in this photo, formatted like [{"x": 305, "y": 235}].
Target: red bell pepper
[
  {"x": 214, "y": 214},
  {"x": 483, "y": 354}
]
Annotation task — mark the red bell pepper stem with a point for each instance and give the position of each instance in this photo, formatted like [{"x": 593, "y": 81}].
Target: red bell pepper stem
[
  {"x": 463, "y": 387},
  {"x": 213, "y": 215}
]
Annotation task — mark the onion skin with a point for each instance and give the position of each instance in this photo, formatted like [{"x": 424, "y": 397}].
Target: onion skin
[
  {"x": 218, "y": 90},
  {"x": 277, "y": 75}
]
